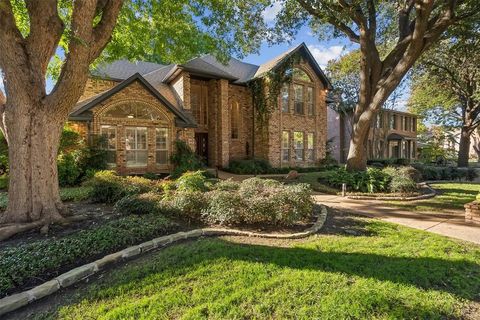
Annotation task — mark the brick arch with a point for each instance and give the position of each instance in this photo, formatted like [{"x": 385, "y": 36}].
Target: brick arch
[{"x": 309, "y": 71}]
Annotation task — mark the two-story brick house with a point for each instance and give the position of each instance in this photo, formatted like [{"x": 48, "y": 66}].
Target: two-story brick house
[
  {"x": 142, "y": 108},
  {"x": 393, "y": 134}
]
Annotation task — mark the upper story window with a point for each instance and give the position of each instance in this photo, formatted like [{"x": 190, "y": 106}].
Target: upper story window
[
  {"x": 310, "y": 105},
  {"x": 235, "y": 120},
  {"x": 300, "y": 75},
  {"x": 393, "y": 121},
  {"x": 133, "y": 111},
  {"x": 198, "y": 103},
  {"x": 299, "y": 95},
  {"x": 284, "y": 94}
]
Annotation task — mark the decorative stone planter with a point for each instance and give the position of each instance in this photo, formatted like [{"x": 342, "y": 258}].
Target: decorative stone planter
[{"x": 472, "y": 212}]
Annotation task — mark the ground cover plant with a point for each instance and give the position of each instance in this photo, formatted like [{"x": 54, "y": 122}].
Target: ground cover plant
[
  {"x": 261, "y": 166},
  {"x": 40, "y": 260},
  {"x": 450, "y": 197},
  {"x": 381, "y": 273}
]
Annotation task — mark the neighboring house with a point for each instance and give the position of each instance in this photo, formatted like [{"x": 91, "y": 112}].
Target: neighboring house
[
  {"x": 142, "y": 108},
  {"x": 449, "y": 140},
  {"x": 392, "y": 135}
]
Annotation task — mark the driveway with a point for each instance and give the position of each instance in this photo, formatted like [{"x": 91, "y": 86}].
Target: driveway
[{"x": 448, "y": 224}]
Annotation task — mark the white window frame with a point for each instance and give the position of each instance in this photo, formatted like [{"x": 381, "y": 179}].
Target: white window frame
[
  {"x": 299, "y": 152},
  {"x": 285, "y": 151},
  {"x": 104, "y": 132},
  {"x": 161, "y": 149},
  {"x": 136, "y": 150}
]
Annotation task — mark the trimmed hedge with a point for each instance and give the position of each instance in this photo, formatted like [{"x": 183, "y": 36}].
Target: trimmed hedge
[
  {"x": 43, "y": 259},
  {"x": 432, "y": 173},
  {"x": 261, "y": 166}
]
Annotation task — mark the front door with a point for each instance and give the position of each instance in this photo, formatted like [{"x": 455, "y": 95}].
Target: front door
[{"x": 201, "y": 140}]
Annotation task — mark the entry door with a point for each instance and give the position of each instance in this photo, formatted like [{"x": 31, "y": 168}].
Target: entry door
[{"x": 201, "y": 140}]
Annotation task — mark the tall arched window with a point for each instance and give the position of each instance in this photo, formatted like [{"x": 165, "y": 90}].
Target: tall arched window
[
  {"x": 235, "y": 120},
  {"x": 300, "y": 75}
]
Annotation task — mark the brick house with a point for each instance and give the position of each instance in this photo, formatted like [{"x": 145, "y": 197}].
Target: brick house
[
  {"x": 392, "y": 135},
  {"x": 142, "y": 108}
]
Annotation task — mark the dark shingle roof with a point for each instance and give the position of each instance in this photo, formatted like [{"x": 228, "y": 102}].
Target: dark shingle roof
[{"x": 122, "y": 69}]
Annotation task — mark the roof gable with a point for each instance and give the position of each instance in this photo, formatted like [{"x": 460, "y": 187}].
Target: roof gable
[
  {"x": 87, "y": 104},
  {"x": 306, "y": 54}
]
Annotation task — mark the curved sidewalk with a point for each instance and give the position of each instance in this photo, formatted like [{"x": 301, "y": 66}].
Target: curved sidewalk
[{"x": 448, "y": 224}]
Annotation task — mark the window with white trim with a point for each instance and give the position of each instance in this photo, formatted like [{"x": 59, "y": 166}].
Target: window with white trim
[
  {"x": 109, "y": 143},
  {"x": 284, "y": 98},
  {"x": 310, "y": 147},
  {"x": 136, "y": 146},
  {"x": 298, "y": 145},
  {"x": 310, "y": 105},
  {"x": 298, "y": 90},
  {"x": 285, "y": 146},
  {"x": 161, "y": 146}
]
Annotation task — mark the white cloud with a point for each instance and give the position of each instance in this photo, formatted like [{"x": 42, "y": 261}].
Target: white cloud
[
  {"x": 324, "y": 54},
  {"x": 271, "y": 12}
]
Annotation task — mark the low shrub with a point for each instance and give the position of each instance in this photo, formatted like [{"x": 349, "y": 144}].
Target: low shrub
[
  {"x": 184, "y": 159},
  {"x": 224, "y": 207},
  {"x": 75, "y": 193},
  {"x": 226, "y": 185},
  {"x": 402, "y": 184},
  {"x": 432, "y": 173},
  {"x": 43, "y": 259},
  {"x": 192, "y": 181},
  {"x": 108, "y": 187},
  {"x": 145, "y": 203},
  {"x": 411, "y": 173},
  {"x": 249, "y": 166},
  {"x": 186, "y": 204},
  {"x": 68, "y": 170}
]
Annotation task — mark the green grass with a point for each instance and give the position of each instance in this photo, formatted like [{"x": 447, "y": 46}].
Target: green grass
[
  {"x": 312, "y": 179},
  {"x": 452, "y": 196},
  {"x": 389, "y": 272},
  {"x": 66, "y": 194}
]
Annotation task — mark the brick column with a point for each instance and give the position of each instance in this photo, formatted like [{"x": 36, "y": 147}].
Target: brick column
[{"x": 223, "y": 133}]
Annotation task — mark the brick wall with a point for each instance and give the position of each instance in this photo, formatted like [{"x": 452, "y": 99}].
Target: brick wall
[
  {"x": 281, "y": 121},
  {"x": 95, "y": 86}
]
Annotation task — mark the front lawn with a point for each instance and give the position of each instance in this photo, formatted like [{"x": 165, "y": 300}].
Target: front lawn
[
  {"x": 450, "y": 197},
  {"x": 382, "y": 271}
]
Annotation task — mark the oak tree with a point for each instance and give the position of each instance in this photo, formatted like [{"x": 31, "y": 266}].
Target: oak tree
[
  {"x": 391, "y": 35},
  {"x": 65, "y": 38}
]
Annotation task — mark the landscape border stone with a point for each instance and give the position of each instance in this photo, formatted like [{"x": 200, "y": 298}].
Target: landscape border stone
[{"x": 18, "y": 300}]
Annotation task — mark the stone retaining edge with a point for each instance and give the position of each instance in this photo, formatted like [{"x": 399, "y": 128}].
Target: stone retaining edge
[
  {"x": 18, "y": 300},
  {"x": 432, "y": 194}
]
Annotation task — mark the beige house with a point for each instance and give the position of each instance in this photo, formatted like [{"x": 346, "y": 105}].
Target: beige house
[
  {"x": 142, "y": 108},
  {"x": 393, "y": 135}
]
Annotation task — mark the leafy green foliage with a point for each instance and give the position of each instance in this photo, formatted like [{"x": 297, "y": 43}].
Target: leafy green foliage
[
  {"x": 43, "y": 258},
  {"x": 249, "y": 166},
  {"x": 192, "y": 181},
  {"x": 184, "y": 159},
  {"x": 145, "y": 203},
  {"x": 390, "y": 179},
  {"x": 432, "y": 173},
  {"x": 108, "y": 187}
]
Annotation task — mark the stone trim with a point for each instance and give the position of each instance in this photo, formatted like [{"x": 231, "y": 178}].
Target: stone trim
[
  {"x": 432, "y": 193},
  {"x": 18, "y": 300},
  {"x": 472, "y": 212}
]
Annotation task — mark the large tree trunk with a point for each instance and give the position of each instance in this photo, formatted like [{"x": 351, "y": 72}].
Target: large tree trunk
[
  {"x": 33, "y": 146},
  {"x": 357, "y": 155},
  {"x": 464, "y": 149}
]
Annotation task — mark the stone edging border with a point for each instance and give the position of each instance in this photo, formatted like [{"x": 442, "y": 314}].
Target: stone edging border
[
  {"x": 18, "y": 300},
  {"x": 429, "y": 195}
]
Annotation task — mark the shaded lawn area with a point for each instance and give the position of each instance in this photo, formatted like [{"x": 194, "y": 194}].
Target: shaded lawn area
[
  {"x": 450, "y": 197},
  {"x": 386, "y": 271}
]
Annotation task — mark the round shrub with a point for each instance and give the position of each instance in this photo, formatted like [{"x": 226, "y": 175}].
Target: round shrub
[
  {"x": 186, "y": 204},
  {"x": 192, "y": 181},
  {"x": 224, "y": 207},
  {"x": 294, "y": 203},
  {"x": 145, "y": 203},
  {"x": 410, "y": 172},
  {"x": 402, "y": 184},
  {"x": 254, "y": 186},
  {"x": 107, "y": 187}
]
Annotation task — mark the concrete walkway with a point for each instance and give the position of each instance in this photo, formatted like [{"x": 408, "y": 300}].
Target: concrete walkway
[{"x": 450, "y": 224}]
